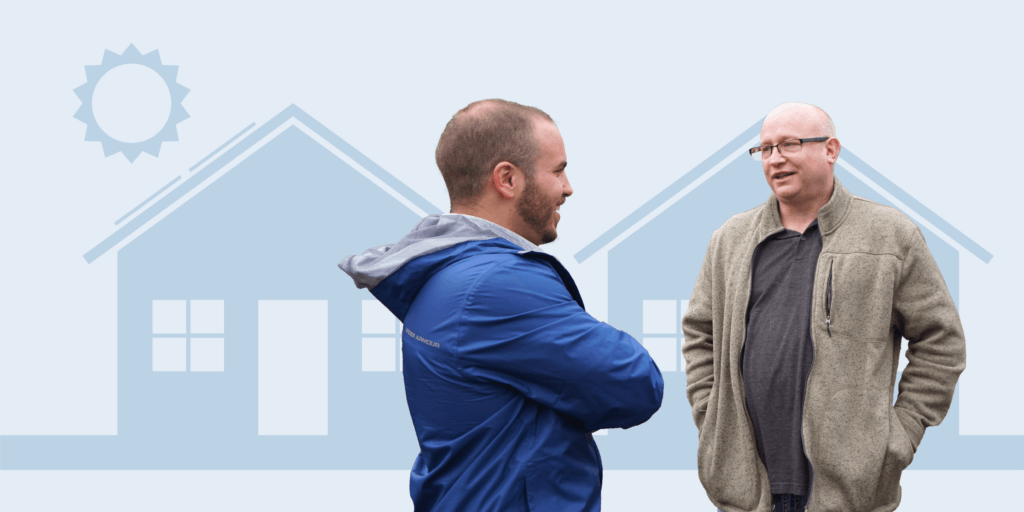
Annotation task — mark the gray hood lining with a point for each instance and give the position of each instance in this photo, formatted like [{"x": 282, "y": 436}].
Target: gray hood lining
[{"x": 432, "y": 234}]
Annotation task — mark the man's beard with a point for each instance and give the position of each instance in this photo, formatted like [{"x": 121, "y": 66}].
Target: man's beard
[{"x": 533, "y": 210}]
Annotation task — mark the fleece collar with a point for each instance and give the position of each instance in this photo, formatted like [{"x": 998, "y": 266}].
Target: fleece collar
[{"x": 830, "y": 216}]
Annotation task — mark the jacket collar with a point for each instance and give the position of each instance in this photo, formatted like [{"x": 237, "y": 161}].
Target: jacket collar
[
  {"x": 834, "y": 212},
  {"x": 830, "y": 216}
]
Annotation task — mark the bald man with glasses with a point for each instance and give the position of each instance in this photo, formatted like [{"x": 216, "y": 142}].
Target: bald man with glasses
[{"x": 793, "y": 335}]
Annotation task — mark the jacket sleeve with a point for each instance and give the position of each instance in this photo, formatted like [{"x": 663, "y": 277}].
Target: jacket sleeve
[
  {"x": 936, "y": 349},
  {"x": 521, "y": 327},
  {"x": 698, "y": 349}
]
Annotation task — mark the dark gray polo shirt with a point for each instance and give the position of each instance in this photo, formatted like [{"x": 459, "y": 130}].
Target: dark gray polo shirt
[{"x": 778, "y": 351}]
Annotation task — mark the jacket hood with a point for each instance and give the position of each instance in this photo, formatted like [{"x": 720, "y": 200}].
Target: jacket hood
[{"x": 394, "y": 273}]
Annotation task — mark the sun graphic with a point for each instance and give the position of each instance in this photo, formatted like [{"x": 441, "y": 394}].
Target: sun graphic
[{"x": 155, "y": 105}]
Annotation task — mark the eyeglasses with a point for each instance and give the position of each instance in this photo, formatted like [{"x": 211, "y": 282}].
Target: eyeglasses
[{"x": 786, "y": 147}]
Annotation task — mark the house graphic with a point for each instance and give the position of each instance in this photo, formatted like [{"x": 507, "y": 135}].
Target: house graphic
[
  {"x": 240, "y": 343},
  {"x": 669, "y": 234}
]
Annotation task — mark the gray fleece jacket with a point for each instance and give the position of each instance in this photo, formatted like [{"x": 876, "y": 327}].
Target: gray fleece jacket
[{"x": 875, "y": 283}]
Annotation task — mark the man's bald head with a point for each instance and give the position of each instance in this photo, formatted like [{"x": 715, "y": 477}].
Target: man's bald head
[
  {"x": 800, "y": 175},
  {"x": 479, "y": 137},
  {"x": 804, "y": 111}
]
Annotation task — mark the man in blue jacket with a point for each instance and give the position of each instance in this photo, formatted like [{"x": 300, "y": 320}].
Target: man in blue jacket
[{"x": 505, "y": 373}]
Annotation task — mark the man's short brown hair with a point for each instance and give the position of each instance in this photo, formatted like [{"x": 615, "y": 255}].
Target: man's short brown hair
[{"x": 479, "y": 137}]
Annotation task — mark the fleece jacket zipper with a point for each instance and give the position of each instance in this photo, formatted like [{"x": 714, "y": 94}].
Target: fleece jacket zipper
[
  {"x": 828, "y": 302},
  {"x": 828, "y": 322}
]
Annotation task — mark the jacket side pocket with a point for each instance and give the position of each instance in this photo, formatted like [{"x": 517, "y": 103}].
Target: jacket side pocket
[{"x": 853, "y": 447}]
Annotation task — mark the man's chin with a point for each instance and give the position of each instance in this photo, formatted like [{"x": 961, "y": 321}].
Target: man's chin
[{"x": 786, "y": 192}]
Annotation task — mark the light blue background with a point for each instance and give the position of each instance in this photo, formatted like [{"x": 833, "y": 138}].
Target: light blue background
[{"x": 926, "y": 94}]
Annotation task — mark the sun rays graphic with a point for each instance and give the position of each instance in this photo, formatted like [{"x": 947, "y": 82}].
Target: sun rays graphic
[{"x": 131, "y": 150}]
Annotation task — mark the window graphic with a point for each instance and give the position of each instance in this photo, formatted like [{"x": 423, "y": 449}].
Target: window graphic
[
  {"x": 663, "y": 330},
  {"x": 381, "y": 333},
  {"x": 188, "y": 335}
]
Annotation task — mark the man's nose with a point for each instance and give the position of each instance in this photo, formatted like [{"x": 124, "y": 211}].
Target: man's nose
[{"x": 776, "y": 154}]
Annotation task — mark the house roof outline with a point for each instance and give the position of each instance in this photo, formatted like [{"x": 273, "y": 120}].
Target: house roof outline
[
  {"x": 692, "y": 180},
  {"x": 239, "y": 152}
]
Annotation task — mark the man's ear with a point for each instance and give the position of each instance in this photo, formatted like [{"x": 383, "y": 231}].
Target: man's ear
[
  {"x": 505, "y": 177},
  {"x": 832, "y": 148}
]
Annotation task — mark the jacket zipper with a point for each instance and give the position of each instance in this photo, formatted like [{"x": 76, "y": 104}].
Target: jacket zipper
[
  {"x": 828, "y": 322},
  {"x": 828, "y": 301}
]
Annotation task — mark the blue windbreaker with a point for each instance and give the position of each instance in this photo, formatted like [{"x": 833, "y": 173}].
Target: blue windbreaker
[{"x": 506, "y": 375}]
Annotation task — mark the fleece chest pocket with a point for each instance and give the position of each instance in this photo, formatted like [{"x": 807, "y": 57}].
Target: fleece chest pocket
[{"x": 858, "y": 295}]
